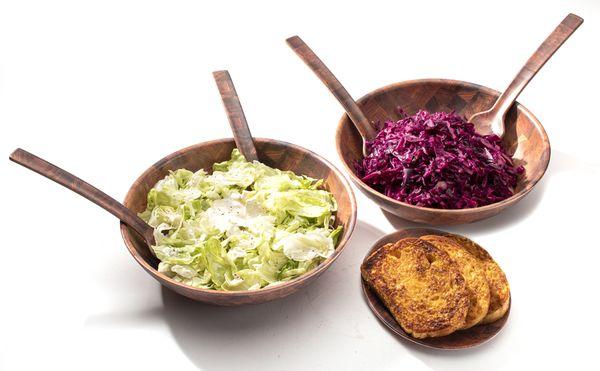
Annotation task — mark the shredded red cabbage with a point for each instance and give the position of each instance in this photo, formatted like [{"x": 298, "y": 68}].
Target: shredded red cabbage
[{"x": 438, "y": 160}]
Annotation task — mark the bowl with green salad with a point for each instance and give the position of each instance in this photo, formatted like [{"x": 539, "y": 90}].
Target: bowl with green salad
[{"x": 229, "y": 231}]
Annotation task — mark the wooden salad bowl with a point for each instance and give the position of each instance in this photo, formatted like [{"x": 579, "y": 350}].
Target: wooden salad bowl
[
  {"x": 525, "y": 139},
  {"x": 278, "y": 154}
]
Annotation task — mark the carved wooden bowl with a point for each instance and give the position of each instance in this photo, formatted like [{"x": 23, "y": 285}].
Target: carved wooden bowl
[
  {"x": 282, "y": 155},
  {"x": 525, "y": 139}
]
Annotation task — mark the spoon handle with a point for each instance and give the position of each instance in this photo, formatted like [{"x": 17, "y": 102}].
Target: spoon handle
[
  {"x": 84, "y": 189},
  {"x": 545, "y": 51},
  {"x": 235, "y": 114},
  {"x": 339, "y": 92}
]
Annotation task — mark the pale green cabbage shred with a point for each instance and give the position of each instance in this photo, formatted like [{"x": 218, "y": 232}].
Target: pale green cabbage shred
[{"x": 245, "y": 226}]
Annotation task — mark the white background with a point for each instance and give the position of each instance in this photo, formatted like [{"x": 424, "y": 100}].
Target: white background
[{"x": 106, "y": 88}]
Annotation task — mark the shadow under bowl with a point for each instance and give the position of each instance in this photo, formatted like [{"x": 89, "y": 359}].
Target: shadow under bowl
[
  {"x": 525, "y": 139},
  {"x": 278, "y": 154}
]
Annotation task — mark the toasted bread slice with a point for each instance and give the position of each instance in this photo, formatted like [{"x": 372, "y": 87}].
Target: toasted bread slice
[
  {"x": 473, "y": 273},
  {"x": 420, "y": 285},
  {"x": 499, "y": 289}
]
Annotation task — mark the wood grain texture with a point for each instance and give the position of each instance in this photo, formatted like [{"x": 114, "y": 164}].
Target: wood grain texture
[
  {"x": 274, "y": 153},
  {"x": 235, "y": 115},
  {"x": 86, "y": 190},
  {"x": 313, "y": 62},
  {"x": 461, "y": 339},
  {"x": 525, "y": 139},
  {"x": 492, "y": 120}
]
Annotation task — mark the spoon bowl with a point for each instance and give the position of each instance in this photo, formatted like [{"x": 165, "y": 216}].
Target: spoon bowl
[
  {"x": 525, "y": 139},
  {"x": 282, "y": 155},
  {"x": 492, "y": 120}
]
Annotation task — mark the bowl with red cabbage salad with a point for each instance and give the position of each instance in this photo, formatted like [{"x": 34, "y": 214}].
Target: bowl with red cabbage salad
[
  {"x": 438, "y": 160},
  {"x": 245, "y": 226}
]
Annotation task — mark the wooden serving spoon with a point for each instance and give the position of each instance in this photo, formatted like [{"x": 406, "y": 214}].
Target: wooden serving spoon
[
  {"x": 86, "y": 190},
  {"x": 241, "y": 133},
  {"x": 492, "y": 120},
  {"x": 235, "y": 114},
  {"x": 366, "y": 130}
]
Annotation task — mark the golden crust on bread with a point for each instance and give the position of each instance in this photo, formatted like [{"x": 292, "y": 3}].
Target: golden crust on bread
[
  {"x": 420, "y": 285},
  {"x": 499, "y": 288},
  {"x": 472, "y": 271}
]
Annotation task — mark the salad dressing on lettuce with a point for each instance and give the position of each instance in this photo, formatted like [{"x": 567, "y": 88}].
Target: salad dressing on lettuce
[{"x": 243, "y": 227}]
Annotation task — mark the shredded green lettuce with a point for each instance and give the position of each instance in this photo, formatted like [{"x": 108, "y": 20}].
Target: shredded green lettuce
[{"x": 243, "y": 227}]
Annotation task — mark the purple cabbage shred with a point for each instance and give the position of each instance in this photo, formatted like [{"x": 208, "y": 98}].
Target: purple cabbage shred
[{"x": 438, "y": 160}]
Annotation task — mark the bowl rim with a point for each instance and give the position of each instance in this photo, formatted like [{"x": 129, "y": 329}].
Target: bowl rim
[
  {"x": 127, "y": 234},
  {"x": 508, "y": 201}
]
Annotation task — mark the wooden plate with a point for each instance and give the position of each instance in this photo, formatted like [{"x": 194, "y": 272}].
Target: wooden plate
[{"x": 461, "y": 339}]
